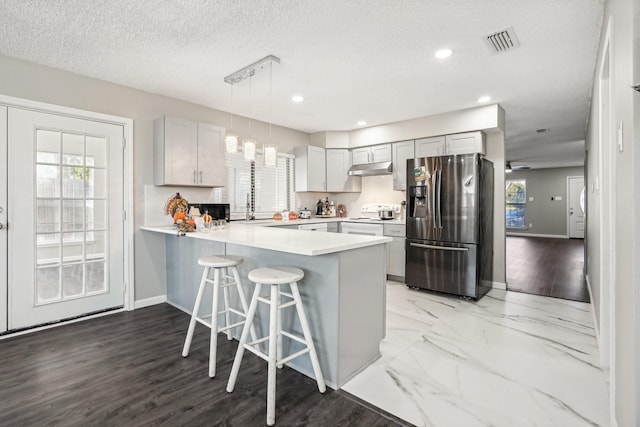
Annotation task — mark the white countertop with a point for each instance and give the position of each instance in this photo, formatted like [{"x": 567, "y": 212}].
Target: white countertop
[{"x": 300, "y": 242}]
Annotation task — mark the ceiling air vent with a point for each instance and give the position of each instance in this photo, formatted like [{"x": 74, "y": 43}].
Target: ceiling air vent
[{"x": 502, "y": 41}]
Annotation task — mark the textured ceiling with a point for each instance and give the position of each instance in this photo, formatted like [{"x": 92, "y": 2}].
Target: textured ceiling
[{"x": 351, "y": 60}]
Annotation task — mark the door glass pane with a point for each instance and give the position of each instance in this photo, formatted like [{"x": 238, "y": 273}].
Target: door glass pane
[
  {"x": 72, "y": 247},
  {"x": 96, "y": 152},
  {"x": 72, "y": 149},
  {"x": 48, "y": 249},
  {"x": 72, "y": 280},
  {"x": 96, "y": 214},
  {"x": 47, "y": 146},
  {"x": 95, "y": 246},
  {"x": 95, "y": 277},
  {"x": 72, "y": 215},
  {"x": 47, "y": 181},
  {"x": 73, "y": 182},
  {"x": 96, "y": 182},
  {"x": 47, "y": 216},
  {"x": 47, "y": 284}
]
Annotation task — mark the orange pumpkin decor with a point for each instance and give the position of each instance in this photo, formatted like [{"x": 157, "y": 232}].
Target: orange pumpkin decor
[
  {"x": 191, "y": 222},
  {"x": 206, "y": 218},
  {"x": 178, "y": 217},
  {"x": 293, "y": 216}
]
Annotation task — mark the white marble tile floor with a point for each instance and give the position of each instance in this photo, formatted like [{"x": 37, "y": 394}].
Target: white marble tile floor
[{"x": 510, "y": 359}]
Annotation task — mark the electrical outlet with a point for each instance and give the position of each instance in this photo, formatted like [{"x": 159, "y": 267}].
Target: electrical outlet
[{"x": 530, "y": 225}]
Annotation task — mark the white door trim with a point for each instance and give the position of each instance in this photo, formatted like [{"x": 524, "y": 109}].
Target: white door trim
[
  {"x": 606, "y": 170},
  {"x": 127, "y": 125},
  {"x": 4, "y": 235}
]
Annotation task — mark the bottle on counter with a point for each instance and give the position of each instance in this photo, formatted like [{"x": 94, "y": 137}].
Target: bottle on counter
[{"x": 319, "y": 207}]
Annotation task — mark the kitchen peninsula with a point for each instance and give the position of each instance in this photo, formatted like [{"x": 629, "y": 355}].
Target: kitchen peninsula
[{"x": 343, "y": 289}]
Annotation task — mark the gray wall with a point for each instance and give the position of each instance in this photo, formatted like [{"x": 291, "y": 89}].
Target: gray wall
[
  {"x": 35, "y": 82},
  {"x": 547, "y": 216},
  {"x": 621, "y": 180}
]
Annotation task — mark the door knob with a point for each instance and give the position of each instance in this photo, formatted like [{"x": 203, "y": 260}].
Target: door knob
[{"x": 1, "y": 226}]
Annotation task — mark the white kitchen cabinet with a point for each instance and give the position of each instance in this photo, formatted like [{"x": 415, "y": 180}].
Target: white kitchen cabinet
[
  {"x": 310, "y": 168},
  {"x": 188, "y": 153},
  {"x": 338, "y": 178},
  {"x": 428, "y": 147},
  {"x": 460, "y": 143},
  {"x": 402, "y": 151},
  {"x": 465, "y": 143},
  {"x": 371, "y": 154},
  {"x": 333, "y": 227},
  {"x": 396, "y": 249}
]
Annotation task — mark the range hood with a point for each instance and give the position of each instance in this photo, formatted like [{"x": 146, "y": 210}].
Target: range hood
[{"x": 370, "y": 169}]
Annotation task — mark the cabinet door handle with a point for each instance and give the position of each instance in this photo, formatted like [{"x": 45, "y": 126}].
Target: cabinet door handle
[
  {"x": 200, "y": 177},
  {"x": 194, "y": 177}
]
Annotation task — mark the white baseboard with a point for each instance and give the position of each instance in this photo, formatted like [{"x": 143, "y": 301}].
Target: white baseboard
[
  {"x": 141, "y": 303},
  {"x": 499, "y": 285},
  {"x": 549, "y": 236},
  {"x": 596, "y": 326}
]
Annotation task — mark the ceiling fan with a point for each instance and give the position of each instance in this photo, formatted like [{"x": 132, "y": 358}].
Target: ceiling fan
[{"x": 510, "y": 168}]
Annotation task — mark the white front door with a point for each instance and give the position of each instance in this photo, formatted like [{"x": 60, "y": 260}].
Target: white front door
[
  {"x": 576, "y": 206},
  {"x": 65, "y": 215}
]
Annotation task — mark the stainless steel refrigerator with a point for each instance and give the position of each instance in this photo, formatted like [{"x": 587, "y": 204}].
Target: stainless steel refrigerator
[{"x": 449, "y": 246}]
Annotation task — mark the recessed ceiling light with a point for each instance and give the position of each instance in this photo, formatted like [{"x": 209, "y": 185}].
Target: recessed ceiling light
[
  {"x": 361, "y": 123},
  {"x": 443, "y": 53},
  {"x": 297, "y": 98},
  {"x": 484, "y": 99}
]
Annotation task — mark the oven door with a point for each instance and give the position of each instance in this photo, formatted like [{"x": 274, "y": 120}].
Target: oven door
[{"x": 442, "y": 267}]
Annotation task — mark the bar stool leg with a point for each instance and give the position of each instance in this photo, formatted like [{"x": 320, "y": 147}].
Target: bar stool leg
[
  {"x": 307, "y": 336},
  {"x": 243, "y": 339},
  {"x": 213, "y": 343},
  {"x": 273, "y": 354},
  {"x": 194, "y": 314},
  {"x": 243, "y": 302},
  {"x": 227, "y": 314}
]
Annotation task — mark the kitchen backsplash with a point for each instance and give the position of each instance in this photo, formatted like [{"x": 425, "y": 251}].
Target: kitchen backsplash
[{"x": 375, "y": 189}]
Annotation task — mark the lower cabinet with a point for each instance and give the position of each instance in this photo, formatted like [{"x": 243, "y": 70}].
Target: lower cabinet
[
  {"x": 395, "y": 254},
  {"x": 333, "y": 227}
]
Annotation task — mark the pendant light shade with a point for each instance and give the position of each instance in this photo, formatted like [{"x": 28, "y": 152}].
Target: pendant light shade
[
  {"x": 249, "y": 149},
  {"x": 270, "y": 153},
  {"x": 231, "y": 143}
]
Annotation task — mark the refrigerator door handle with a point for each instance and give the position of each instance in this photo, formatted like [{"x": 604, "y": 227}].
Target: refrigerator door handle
[
  {"x": 444, "y": 248},
  {"x": 434, "y": 179},
  {"x": 440, "y": 198}
]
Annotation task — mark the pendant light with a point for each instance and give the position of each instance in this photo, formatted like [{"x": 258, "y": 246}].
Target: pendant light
[
  {"x": 249, "y": 144},
  {"x": 231, "y": 139},
  {"x": 270, "y": 151}
]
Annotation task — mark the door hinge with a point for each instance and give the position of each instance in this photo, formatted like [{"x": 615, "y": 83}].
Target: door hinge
[
  {"x": 124, "y": 215},
  {"x": 124, "y": 142}
]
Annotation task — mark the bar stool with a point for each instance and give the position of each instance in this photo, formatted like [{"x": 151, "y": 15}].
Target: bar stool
[
  {"x": 225, "y": 264},
  {"x": 275, "y": 276}
]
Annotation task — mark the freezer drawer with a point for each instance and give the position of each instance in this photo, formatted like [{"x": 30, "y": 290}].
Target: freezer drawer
[{"x": 442, "y": 267}]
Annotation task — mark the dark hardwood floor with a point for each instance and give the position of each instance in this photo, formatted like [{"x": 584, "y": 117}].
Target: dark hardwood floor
[
  {"x": 548, "y": 267},
  {"x": 126, "y": 369}
]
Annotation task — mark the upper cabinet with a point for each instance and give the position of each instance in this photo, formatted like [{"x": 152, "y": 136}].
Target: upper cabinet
[
  {"x": 460, "y": 143},
  {"x": 428, "y": 147},
  {"x": 372, "y": 154},
  {"x": 338, "y": 178},
  {"x": 310, "y": 168},
  {"x": 466, "y": 143},
  {"x": 188, "y": 153},
  {"x": 402, "y": 151}
]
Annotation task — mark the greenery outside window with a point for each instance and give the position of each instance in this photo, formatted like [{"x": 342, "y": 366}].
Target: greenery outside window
[{"x": 516, "y": 198}]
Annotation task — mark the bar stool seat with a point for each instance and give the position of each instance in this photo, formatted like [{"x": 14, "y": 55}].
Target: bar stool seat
[
  {"x": 275, "y": 277},
  {"x": 227, "y": 267}
]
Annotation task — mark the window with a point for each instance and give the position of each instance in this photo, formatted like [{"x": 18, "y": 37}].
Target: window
[
  {"x": 270, "y": 189},
  {"x": 516, "y": 197}
]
